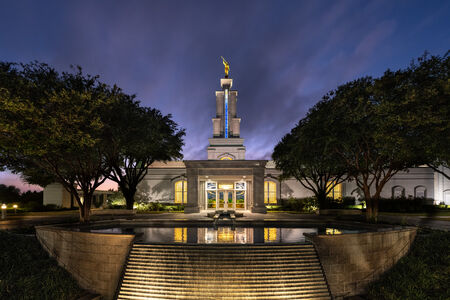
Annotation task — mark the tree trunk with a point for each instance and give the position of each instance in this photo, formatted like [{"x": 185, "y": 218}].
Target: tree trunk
[
  {"x": 129, "y": 197},
  {"x": 322, "y": 199},
  {"x": 85, "y": 209},
  {"x": 370, "y": 208}
]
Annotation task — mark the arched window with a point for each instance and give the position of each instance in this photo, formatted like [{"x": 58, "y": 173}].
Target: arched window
[
  {"x": 270, "y": 192},
  {"x": 420, "y": 192},
  {"x": 336, "y": 192},
  {"x": 398, "y": 191},
  {"x": 181, "y": 192},
  {"x": 226, "y": 158}
]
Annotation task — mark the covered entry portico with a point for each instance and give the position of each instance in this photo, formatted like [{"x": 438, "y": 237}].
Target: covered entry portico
[{"x": 225, "y": 185}]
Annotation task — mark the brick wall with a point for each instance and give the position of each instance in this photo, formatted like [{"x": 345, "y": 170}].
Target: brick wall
[
  {"x": 95, "y": 260},
  {"x": 352, "y": 261}
]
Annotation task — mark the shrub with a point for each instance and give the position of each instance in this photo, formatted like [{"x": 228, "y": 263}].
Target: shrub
[
  {"x": 157, "y": 206},
  {"x": 308, "y": 204},
  {"x": 348, "y": 201},
  {"x": 403, "y": 204}
]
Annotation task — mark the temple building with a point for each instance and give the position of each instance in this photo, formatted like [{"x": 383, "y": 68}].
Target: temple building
[{"x": 226, "y": 180}]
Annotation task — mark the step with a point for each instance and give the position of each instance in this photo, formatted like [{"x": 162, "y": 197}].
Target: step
[
  {"x": 139, "y": 278},
  {"x": 221, "y": 271},
  {"x": 234, "y": 288},
  {"x": 254, "y": 276},
  {"x": 201, "y": 294}
]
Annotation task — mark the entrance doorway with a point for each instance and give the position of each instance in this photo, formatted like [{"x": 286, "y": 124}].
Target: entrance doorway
[
  {"x": 226, "y": 200},
  {"x": 225, "y": 196}
]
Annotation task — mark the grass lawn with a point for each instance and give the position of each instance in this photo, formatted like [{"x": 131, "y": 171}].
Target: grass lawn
[
  {"x": 422, "y": 274},
  {"x": 27, "y": 272}
]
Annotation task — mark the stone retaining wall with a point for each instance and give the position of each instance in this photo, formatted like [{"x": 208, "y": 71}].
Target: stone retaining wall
[
  {"x": 94, "y": 259},
  {"x": 352, "y": 261}
]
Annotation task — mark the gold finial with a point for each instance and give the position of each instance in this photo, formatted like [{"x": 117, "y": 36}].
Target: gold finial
[{"x": 227, "y": 66}]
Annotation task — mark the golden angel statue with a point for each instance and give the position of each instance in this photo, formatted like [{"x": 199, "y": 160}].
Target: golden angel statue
[{"x": 227, "y": 66}]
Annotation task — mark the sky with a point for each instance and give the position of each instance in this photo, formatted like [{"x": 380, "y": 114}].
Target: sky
[{"x": 284, "y": 55}]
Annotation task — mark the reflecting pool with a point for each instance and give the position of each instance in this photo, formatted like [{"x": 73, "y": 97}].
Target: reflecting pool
[{"x": 223, "y": 234}]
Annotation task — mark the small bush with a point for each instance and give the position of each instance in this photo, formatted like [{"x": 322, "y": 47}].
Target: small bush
[
  {"x": 348, "y": 201},
  {"x": 403, "y": 204},
  {"x": 157, "y": 206},
  {"x": 308, "y": 204}
]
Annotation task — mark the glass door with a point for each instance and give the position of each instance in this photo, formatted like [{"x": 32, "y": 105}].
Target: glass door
[
  {"x": 230, "y": 200},
  {"x": 212, "y": 201},
  {"x": 226, "y": 200},
  {"x": 240, "y": 200},
  {"x": 221, "y": 202}
]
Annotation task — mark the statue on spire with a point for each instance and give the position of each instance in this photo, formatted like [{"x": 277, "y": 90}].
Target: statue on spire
[{"x": 227, "y": 66}]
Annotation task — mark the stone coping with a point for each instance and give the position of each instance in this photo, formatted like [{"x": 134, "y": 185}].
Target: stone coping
[{"x": 352, "y": 261}]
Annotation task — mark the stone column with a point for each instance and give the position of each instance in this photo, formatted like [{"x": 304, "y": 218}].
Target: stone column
[
  {"x": 192, "y": 191},
  {"x": 258, "y": 190}
]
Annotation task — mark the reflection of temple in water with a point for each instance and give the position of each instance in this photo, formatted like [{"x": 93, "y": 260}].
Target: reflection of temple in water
[{"x": 224, "y": 235}]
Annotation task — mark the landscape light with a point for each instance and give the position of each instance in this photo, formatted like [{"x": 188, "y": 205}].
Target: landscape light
[
  {"x": 3, "y": 206},
  {"x": 15, "y": 206}
]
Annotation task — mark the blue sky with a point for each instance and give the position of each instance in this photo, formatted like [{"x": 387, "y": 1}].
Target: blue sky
[{"x": 284, "y": 55}]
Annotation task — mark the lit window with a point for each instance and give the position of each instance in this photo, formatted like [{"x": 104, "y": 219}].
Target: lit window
[
  {"x": 270, "y": 192},
  {"x": 180, "y": 235},
  {"x": 225, "y": 235},
  {"x": 332, "y": 231},
  {"x": 336, "y": 192},
  {"x": 181, "y": 191},
  {"x": 270, "y": 235},
  {"x": 226, "y": 158}
]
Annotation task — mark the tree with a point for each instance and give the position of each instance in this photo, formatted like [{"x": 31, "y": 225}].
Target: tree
[
  {"x": 136, "y": 137},
  {"x": 54, "y": 121},
  {"x": 424, "y": 110},
  {"x": 9, "y": 194},
  {"x": 306, "y": 154},
  {"x": 373, "y": 146}
]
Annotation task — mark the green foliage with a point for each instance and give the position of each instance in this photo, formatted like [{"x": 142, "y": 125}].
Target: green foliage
[
  {"x": 157, "y": 206},
  {"x": 52, "y": 122},
  {"x": 116, "y": 200},
  {"x": 424, "y": 110},
  {"x": 26, "y": 271},
  {"x": 309, "y": 204},
  {"x": 376, "y": 127},
  {"x": 422, "y": 274},
  {"x": 305, "y": 154},
  {"x": 9, "y": 194},
  {"x": 27, "y": 201},
  {"x": 404, "y": 204},
  {"x": 136, "y": 137}
]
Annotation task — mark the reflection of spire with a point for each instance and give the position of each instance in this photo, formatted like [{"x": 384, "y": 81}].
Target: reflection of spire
[{"x": 227, "y": 66}]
